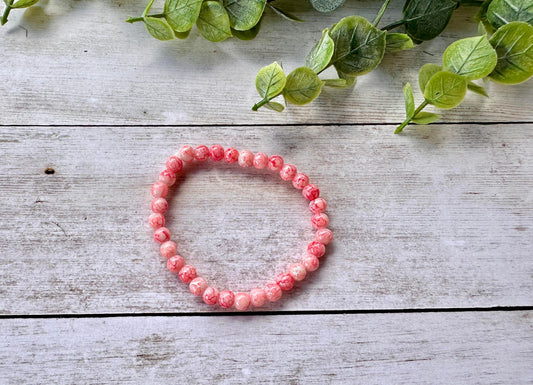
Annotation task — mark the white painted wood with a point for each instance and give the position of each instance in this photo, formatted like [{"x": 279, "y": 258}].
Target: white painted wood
[
  {"x": 465, "y": 348},
  {"x": 439, "y": 217},
  {"x": 78, "y": 62}
]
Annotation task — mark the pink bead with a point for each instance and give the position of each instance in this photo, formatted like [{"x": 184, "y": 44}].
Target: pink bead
[
  {"x": 231, "y": 155},
  {"x": 287, "y": 172},
  {"x": 210, "y": 296},
  {"x": 167, "y": 177},
  {"x": 324, "y": 236},
  {"x": 175, "y": 263},
  {"x": 310, "y": 262},
  {"x": 156, "y": 220},
  {"x": 258, "y": 297},
  {"x": 159, "y": 190},
  {"x": 273, "y": 292},
  {"x": 168, "y": 249},
  {"x": 318, "y": 205},
  {"x": 260, "y": 160},
  {"x": 319, "y": 220},
  {"x": 217, "y": 152},
  {"x": 198, "y": 286},
  {"x": 316, "y": 248},
  {"x": 242, "y": 301},
  {"x": 275, "y": 163},
  {"x": 300, "y": 181},
  {"x": 162, "y": 234},
  {"x": 201, "y": 153},
  {"x": 285, "y": 281},
  {"x": 310, "y": 192},
  {"x": 174, "y": 164},
  {"x": 226, "y": 299},
  {"x": 159, "y": 205},
  {"x": 187, "y": 273},
  {"x": 246, "y": 158},
  {"x": 186, "y": 153},
  {"x": 297, "y": 271}
]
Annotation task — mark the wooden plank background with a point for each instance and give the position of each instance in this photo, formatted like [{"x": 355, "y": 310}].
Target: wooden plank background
[{"x": 429, "y": 279}]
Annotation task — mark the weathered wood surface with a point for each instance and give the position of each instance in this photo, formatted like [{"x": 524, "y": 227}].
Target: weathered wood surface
[
  {"x": 439, "y": 217},
  {"x": 78, "y": 62},
  {"x": 473, "y": 348}
]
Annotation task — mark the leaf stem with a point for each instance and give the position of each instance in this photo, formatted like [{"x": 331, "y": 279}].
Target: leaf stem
[
  {"x": 396, "y": 24},
  {"x": 260, "y": 104},
  {"x": 6, "y": 12},
  {"x": 409, "y": 118},
  {"x": 140, "y": 18},
  {"x": 380, "y": 13}
]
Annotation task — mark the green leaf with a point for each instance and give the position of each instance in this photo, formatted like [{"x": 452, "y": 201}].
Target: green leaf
[
  {"x": 24, "y": 3},
  {"x": 359, "y": 46},
  {"x": 445, "y": 90},
  {"x": 182, "y": 35},
  {"x": 473, "y": 57},
  {"x": 514, "y": 45},
  {"x": 213, "y": 21},
  {"x": 349, "y": 79},
  {"x": 303, "y": 86},
  {"x": 426, "y": 19},
  {"x": 284, "y": 14},
  {"x": 326, "y": 5},
  {"x": 321, "y": 54},
  {"x": 335, "y": 83},
  {"x": 501, "y": 12},
  {"x": 247, "y": 35},
  {"x": 395, "y": 42},
  {"x": 182, "y": 14},
  {"x": 159, "y": 28},
  {"x": 244, "y": 14},
  {"x": 425, "y": 118},
  {"x": 477, "y": 89},
  {"x": 270, "y": 81},
  {"x": 275, "y": 106},
  {"x": 426, "y": 72},
  {"x": 409, "y": 100},
  {"x": 481, "y": 16}
]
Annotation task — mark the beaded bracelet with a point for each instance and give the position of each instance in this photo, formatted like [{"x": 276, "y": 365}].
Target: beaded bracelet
[{"x": 187, "y": 273}]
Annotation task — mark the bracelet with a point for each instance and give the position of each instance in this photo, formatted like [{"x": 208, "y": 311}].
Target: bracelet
[{"x": 187, "y": 273}]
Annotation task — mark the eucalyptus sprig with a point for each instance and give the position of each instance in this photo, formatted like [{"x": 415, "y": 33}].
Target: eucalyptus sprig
[{"x": 12, "y": 4}]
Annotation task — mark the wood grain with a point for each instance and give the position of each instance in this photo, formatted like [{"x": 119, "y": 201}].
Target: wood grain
[
  {"x": 466, "y": 348},
  {"x": 78, "y": 62},
  {"x": 439, "y": 217}
]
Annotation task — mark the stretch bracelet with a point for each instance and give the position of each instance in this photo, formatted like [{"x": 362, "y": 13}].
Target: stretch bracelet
[{"x": 187, "y": 273}]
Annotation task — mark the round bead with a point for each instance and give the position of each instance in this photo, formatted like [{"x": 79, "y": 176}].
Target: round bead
[
  {"x": 187, "y": 273},
  {"x": 198, "y": 286},
  {"x": 297, "y": 271},
  {"x": 300, "y": 181},
  {"x": 167, "y": 177},
  {"x": 159, "y": 190},
  {"x": 174, "y": 164},
  {"x": 175, "y": 263},
  {"x": 226, "y": 299},
  {"x": 201, "y": 153},
  {"x": 310, "y": 262},
  {"x": 216, "y": 152},
  {"x": 159, "y": 205},
  {"x": 260, "y": 160},
  {"x": 156, "y": 220},
  {"x": 246, "y": 158},
  {"x": 310, "y": 192},
  {"x": 257, "y": 297},
  {"x": 242, "y": 301},
  {"x": 186, "y": 153},
  {"x": 231, "y": 155},
  {"x": 324, "y": 236},
  {"x": 285, "y": 281},
  {"x": 318, "y": 205},
  {"x": 275, "y": 163},
  {"x": 161, "y": 235},
  {"x": 316, "y": 248},
  {"x": 273, "y": 292},
  {"x": 288, "y": 172},
  {"x": 210, "y": 296},
  {"x": 168, "y": 249},
  {"x": 319, "y": 220}
]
